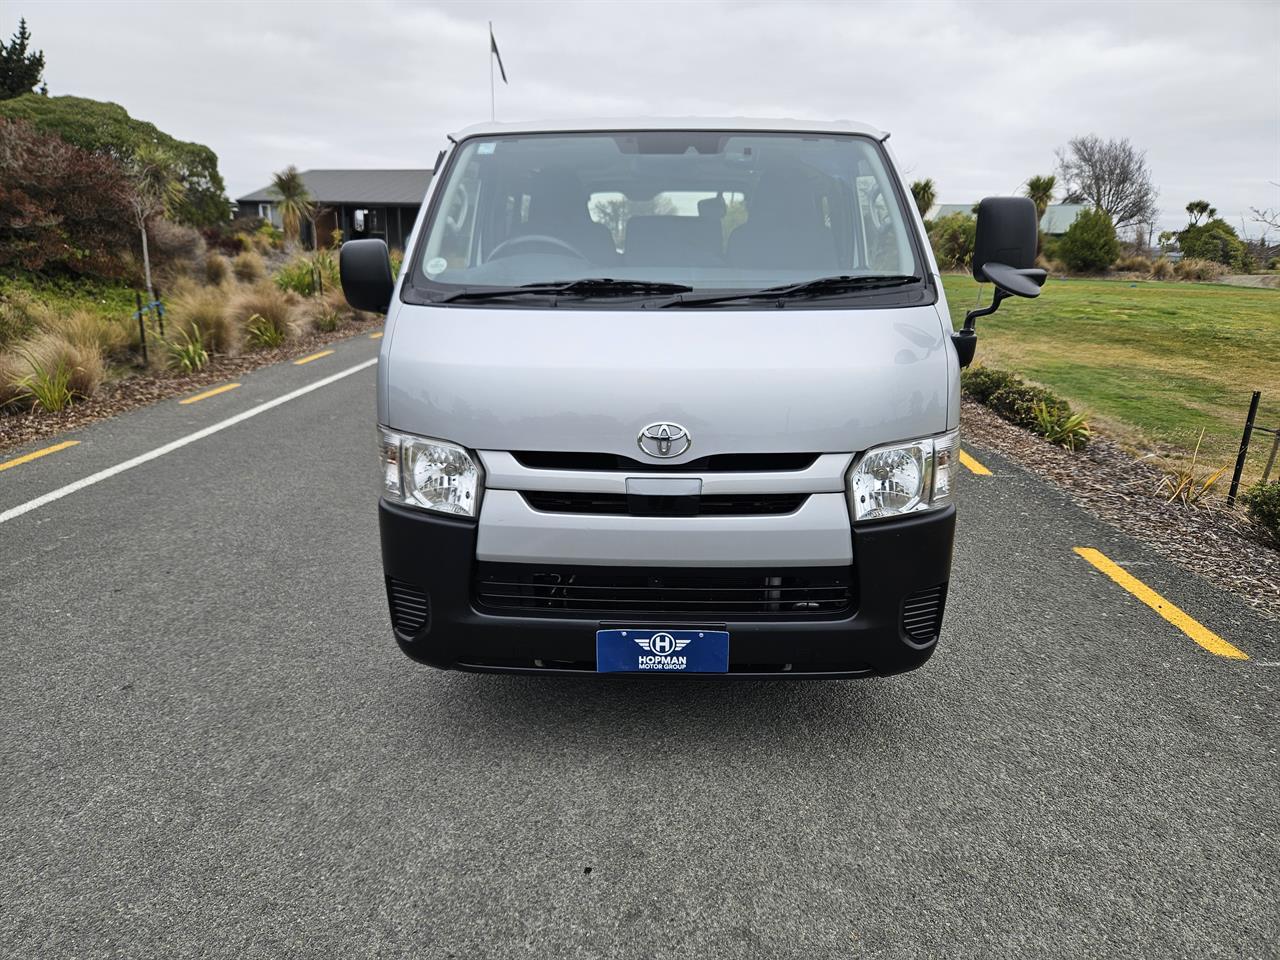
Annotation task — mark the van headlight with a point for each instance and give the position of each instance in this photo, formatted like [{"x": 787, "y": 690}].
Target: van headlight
[
  {"x": 903, "y": 478},
  {"x": 430, "y": 474}
]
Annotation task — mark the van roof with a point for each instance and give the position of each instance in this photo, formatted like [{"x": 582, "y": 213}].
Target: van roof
[{"x": 753, "y": 124}]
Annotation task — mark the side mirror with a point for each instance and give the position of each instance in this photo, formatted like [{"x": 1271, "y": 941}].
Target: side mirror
[
  {"x": 365, "y": 269},
  {"x": 1004, "y": 254}
]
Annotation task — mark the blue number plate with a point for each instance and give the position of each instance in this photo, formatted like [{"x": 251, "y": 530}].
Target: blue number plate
[{"x": 662, "y": 651}]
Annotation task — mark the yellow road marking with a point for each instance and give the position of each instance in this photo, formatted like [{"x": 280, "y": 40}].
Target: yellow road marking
[
  {"x": 209, "y": 393},
  {"x": 1176, "y": 615},
  {"x": 973, "y": 466},
  {"x": 376, "y": 336},
  {"x": 314, "y": 356},
  {"x": 37, "y": 454}
]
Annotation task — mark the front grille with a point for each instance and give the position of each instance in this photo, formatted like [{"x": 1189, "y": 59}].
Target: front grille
[
  {"x": 922, "y": 614},
  {"x": 410, "y": 607},
  {"x": 620, "y": 592},
  {"x": 712, "y": 505},
  {"x": 717, "y": 463}
]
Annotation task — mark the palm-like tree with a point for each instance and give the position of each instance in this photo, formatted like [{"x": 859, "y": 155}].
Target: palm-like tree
[
  {"x": 158, "y": 188},
  {"x": 295, "y": 202},
  {"x": 1040, "y": 190},
  {"x": 924, "y": 192}
]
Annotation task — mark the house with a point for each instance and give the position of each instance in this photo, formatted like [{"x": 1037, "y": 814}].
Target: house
[
  {"x": 381, "y": 204},
  {"x": 1057, "y": 216}
]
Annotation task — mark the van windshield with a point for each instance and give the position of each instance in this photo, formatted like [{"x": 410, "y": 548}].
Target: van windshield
[{"x": 715, "y": 211}]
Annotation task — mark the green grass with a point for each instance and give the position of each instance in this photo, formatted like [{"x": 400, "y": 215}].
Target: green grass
[
  {"x": 1152, "y": 363},
  {"x": 110, "y": 300}
]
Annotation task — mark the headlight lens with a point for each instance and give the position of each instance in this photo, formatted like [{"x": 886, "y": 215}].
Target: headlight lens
[
  {"x": 903, "y": 478},
  {"x": 431, "y": 474}
]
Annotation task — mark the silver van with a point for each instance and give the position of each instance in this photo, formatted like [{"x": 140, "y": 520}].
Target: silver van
[{"x": 672, "y": 397}]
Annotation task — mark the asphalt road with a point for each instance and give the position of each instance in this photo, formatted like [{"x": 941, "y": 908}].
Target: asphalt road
[{"x": 212, "y": 746}]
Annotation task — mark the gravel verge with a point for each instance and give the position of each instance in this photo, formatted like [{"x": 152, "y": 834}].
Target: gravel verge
[
  {"x": 19, "y": 427},
  {"x": 1106, "y": 480}
]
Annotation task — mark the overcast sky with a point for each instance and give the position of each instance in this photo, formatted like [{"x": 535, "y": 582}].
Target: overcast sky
[{"x": 976, "y": 95}]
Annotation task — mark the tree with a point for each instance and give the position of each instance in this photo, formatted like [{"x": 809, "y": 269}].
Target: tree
[
  {"x": 614, "y": 213},
  {"x": 1200, "y": 208},
  {"x": 157, "y": 190},
  {"x": 295, "y": 202},
  {"x": 1040, "y": 190},
  {"x": 1112, "y": 176},
  {"x": 107, "y": 128},
  {"x": 1090, "y": 242},
  {"x": 925, "y": 194},
  {"x": 20, "y": 71},
  {"x": 61, "y": 208},
  {"x": 952, "y": 238}
]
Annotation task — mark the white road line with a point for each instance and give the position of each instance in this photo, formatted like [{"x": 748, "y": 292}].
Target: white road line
[{"x": 178, "y": 444}]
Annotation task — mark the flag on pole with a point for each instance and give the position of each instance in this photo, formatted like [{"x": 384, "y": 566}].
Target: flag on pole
[{"x": 493, "y": 49}]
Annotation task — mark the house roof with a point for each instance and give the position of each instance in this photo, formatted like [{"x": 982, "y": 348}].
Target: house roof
[
  {"x": 374, "y": 187},
  {"x": 1057, "y": 216},
  {"x": 777, "y": 125}
]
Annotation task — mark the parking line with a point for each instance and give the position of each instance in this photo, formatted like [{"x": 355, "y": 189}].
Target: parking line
[
  {"x": 209, "y": 393},
  {"x": 37, "y": 454},
  {"x": 208, "y": 431},
  {"x": 1175, "y": 615},
  {"x": 973, "y": 466},
  {"x": 314, "y": 356},
  {"x": 376, "y": 336}
]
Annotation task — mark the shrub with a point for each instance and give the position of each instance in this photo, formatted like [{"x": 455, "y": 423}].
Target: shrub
[
  {"x": 61, "y": 208},
  {"x": 298, "y": 276},
  {"x": 1090, "y": 242},
  {"x": 1214, "y": 240},
  {"x": 952, "y": 239},
  {"x": 87, "y": 330},
  {"x": 397, "y": 258},
  {"x": 1162, "y": 269},
  {"x": 1262, "y": 504},
  {"x": 217, "y": 268},
  {"x": 1027, "y": 406},
  {"x": 186, "y": 350},
  {"x": 174, "y": 246},
  {"x": 205, "y": 309},
  {"x": 248, "y": 267},
  {"x": 264, "y": 313},
  {"x": 1186, "y": 485},
  {"x": 51, "y": 371},
  {"x": 1201, "y": 271},
  {"x": 1133, "y": 264},
  {"x": 980, "y": 382}
]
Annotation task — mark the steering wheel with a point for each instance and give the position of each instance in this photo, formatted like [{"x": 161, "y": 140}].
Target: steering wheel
[
  {"x": 513, "y": 246},
  {"x": 461, "y": 199}
]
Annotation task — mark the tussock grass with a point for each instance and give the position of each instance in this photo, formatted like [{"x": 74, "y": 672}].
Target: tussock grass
[
  {"x": 206, "y": 309},
  {"x": 265, "y": 314},
  {"x": 217, "y": 268},
  {"x": 249, "y": 267},
  {"x": 50, "y": 371}
]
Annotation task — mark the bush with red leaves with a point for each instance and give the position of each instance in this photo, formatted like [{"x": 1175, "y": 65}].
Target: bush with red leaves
[{"x": 62, "y": 209}]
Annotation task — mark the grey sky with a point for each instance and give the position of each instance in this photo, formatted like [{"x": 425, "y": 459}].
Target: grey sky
[{"x": 977, "y": 95}]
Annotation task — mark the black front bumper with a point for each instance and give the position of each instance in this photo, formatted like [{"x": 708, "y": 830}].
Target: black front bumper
[{"x": 901, "y": 568}]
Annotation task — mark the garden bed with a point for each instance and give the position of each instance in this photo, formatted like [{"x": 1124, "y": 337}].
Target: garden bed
[{"x": 1216, "y": 543}]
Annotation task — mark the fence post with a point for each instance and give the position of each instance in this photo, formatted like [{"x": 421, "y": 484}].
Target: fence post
[
  {"x": 1244, "y": 448},
  {"x": 1271, "y": 460},
  {"x": 142, "y": 326},
  {"x": 159, "y": 311}
]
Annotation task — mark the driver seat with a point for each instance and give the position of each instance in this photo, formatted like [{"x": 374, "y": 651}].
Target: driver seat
[{"x": 558, "y": 208}]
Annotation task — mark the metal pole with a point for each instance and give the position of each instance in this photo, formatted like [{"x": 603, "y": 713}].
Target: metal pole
[
  {"x": 142, "y": 327},
  {"x": 492, "y": 110},
  {"x": 1271, "y": 460},
  {"x": 1244, "y": 448},
  {"x": 159, "y": 312}
]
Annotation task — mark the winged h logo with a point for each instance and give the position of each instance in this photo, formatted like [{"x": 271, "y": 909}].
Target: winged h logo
[
  {"x": 664, "y": 440},
  {"x": 663, "y": 644}
]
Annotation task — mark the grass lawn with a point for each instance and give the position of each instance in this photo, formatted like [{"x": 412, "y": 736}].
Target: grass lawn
[{"x": 1150, "y": 362}]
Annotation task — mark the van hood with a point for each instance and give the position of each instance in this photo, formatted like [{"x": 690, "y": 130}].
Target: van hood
[{"x": 739, "y": 381}]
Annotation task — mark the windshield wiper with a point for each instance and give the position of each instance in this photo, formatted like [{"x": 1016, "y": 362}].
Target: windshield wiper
[
  {"x": 822, "y": 286},
  {"x": 587, "y": 287}
]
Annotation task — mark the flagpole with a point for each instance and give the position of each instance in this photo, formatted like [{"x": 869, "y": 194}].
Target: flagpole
[{"x": 492, "y": 110}]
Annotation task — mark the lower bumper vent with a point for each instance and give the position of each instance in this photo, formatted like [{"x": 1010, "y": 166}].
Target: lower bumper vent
[
  {"x": 922, "y": 614},
  {"x": 410, "y": 607},
  {"x": 619, "y": 592}
]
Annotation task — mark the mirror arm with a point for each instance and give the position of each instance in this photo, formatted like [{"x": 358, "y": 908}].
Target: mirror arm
[{"x": 966, "y": 339}]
